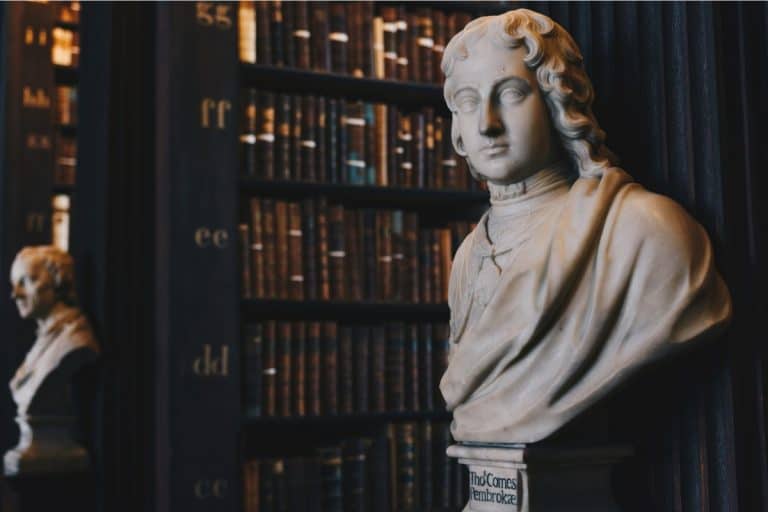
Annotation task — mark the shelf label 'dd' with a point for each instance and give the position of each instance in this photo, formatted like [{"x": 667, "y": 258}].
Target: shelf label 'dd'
[{"x": 212, "y": 364}]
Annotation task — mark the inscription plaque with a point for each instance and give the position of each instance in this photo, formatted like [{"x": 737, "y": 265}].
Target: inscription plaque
[{"x": 494, "y": 488}]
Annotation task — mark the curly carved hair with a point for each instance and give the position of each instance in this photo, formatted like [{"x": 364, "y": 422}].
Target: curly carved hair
[
  {"x": 559, "y": 66},
  {"x": 60, "y": 266}
]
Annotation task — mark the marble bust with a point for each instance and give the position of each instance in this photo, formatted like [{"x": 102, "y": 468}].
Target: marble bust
[
  {"x": 43, "y": 287},
  {"x": 576, "y": 277}
]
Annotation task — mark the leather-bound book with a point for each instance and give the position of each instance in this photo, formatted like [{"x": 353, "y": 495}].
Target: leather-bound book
[
  {"x": 253, "y": 343},
  {"x": 297, "y": 113},
  {"x": 379, "y": 473},
  {"x": 343, "y": 143},
  {"x": 353, "y": 138},
  {"x": 355, "y": 32},
  {"x": 425, "y": 265},
  {"x": 301, "y": 35},
  {"x": 308, "y": 139},
  {"x": 339, "y": 38},
  {"x": 427, "y": 386},
  {"x": 263, "y": 35},
  {"x": 321, "y": 49},
  {"x": 412, "y": 402},
  {"x": 332, "y": 478},
  {"x": 425, "y": 445},
  {"x": 283, "y": 138},
  {"x": 361, "y": 349},
  {"x": 396, "y": 367},
  {"x": 289, "y": 46},
  {"x": 321, "y": 139},
  {"x": 295, "y": 253},
  {"x": 244, "y": 246},
  {"x": 436, "y": 263},
  {"x": 280, "y": 484},
  {"x": 378, "y": 351},
  {"x": 267, "y": 487},
  {"x": 436, "y": 171},
  {"x": 425, "y": 44},
  {"x": 251, "y": 486},
  {"x": 309, "y": 249},
  {"x": 446, "y": 254},
  {"x": 248, "y": 131},
  {"x": 282, "y": 250},
  {"x": 370, "y": 255},
  {"x": 450, "y": 159},
  {"x": 269, "y": 361},
  {"x": 381, "y": 150},
  {"x": 442, "y": 465},
  {"x": 438, "y": 18},
  {"x": 354, "y": 257},
  {"x": 369, "y": 113},
  {"x": 441, "y": 347},
  {"x": 403, "y": 69},
  {"x": 389, "y": 26},
  {"x": 411, "y": 252},
  {"x": 330, "y": 369},
  {"x": 429, "y": 148},
  {"x": 270, "y": 248},
  {"x": 354, "y": 471},
  {"x": 265, "y": 137},
  {"x": 299, "y": 357},
  {"x": 384, "y": 248},
  {"x": 276, "y": 31},
  {"x": 418, "y": 149},
  {"x": 414, "y": 55},
  {"x": 406, "y": 467},
  {"x": 284, "y": 368},
  {"x": 398, "y": 257},
  {"x": 323, "y": 249},
  {"x": 404, "y": 151},
  {"x": 332, "y": 142},
  {"x": 337, "y": 252},
  {"x": 393, "y": 146},
  {"x": 314, "y": 344},
  {"x": 377, "y": 47},
  {"x": 256, "y": 249},
  {"x": 367, "y": 39},
  {"x": 346, "y": 371}
]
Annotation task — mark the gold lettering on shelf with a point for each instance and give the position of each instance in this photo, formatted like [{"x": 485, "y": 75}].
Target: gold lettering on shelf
[
  {"x": 206, "y": 237},
  {"x": 219, "y": 108},
  {"x": 208, "y": 365},
  {"x": 35, "y": 222},
  {"x": 211, "y": 488},
  {"x": 35, "y": 99},
  {"x": 210, "y": 14},
  {"x": 42, "y": 37},
  {"x": 29, "y": 36},
  {"x": 38, "y": 141}
]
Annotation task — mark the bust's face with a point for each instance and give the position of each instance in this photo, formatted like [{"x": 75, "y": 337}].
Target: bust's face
[
  {"x": 502, "y": 120},
  {"x": 33, "y": 288}
]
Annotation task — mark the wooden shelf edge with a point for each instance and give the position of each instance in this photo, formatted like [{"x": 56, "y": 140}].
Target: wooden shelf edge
[
  {"x": 256, "y": 309},
  {"x": 252, "y": 420}
]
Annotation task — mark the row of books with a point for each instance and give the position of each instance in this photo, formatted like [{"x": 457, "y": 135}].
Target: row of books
[
  {"x": 66, "y": 105},
  {"x": 386, "y": 42},
  {"x": 328, "y": 140},
  {"x": 314, "y": 250},
  {"x": 403, "y": 469},
  {"x": 297, "y": 368}
]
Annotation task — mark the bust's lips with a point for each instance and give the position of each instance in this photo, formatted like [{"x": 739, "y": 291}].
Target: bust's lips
[{"x": 495, "y": 149}]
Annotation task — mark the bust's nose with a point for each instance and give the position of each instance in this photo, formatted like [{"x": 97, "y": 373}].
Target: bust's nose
[
  {"x": 17, "y": 292},
  {"x": 490, "y": 119}
]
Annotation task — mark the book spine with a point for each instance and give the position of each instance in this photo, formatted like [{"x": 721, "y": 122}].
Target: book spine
[
  {"x": 418, "y": 151},
  {"x": 310, "y": 248},
  {"x": 393, "y": 146},
  {"x": 404, "y": 151},
  {"x": 379, "y": 368},
  {"x": 402, "y": 44},
  {"x": 370, "y": 144},
  {"x": 265, "y": 138},
  {"x": 323, "y": 251},
  {"x": 426, "y": 475},
  {"x": 331, "y": 470},
  {"x": 267, "y": 487},
  {"x": 253, "y": 345},
  {"x": 377, "y": 48},
  {"x": 280, "y": 485},
  {"x": 302, "y": 35},
  {"x": 354, "y": 256},
  {"x": 284, "y": 373},
  {"x": 244, "y": 244},
  {"x": 313, "y": 368},
  {"x": 246, "y": 31},
  {"x": 339, "y": 38},
  {"x": 309, "y": 139},
  {"x": 282, "y": 250},
  {"x": 384, "y": 259},
  {"x": 406, "y": 468},
  {"x": 381, "y": 148},
  {"x": 411, "y": 233},
  {"x": 396, "y": 367},
  {"x": 367, "y": 35},
  {"x": 332, "y": 146},
  {"x": 269, "y": 351},
  {"x": 346, "y": 375},
  {"x": 428, "y": 170},
  {"x": 361, "y": 356},
  {"x": 412, "y": 367},
  {"x": 446, "y": 253},
  {"x": 354, "y": 14},
  {"x": 415, "y": 70},
  {"x": 370, "y": 276},
  {"x": 296, "y": 138},
  {"x": 337, "y": 252},
  {"x": 436, "y": 261},
  {"x": 289, "y": 47},
  {"x": 425, "y": 43},
  {"x": 270, "y": 248},
  {"x": 330, "y": 368},
  {"x": 251, "y": 479},
  {"x": 436, "y": 171},
  {"x": 427, "y": 382},
  {"x": 276, "y": 32},
  {"x": 321, "y": 157},
  {"x": 295, "y": 256},
  {"x": 248, "y": 133},
  {"x": 439, "y": 45},
  {"x": 263, "y": 35},
  {"x": 321, "y": 52},
  {"x": 425, "y": 265},
  {"x": 353, "y": 133},
  {"x": 354, "y": 473},
  {"x": 299, "y": 356},
  {"x": 398, "y": 257},
  {"x": 283, "y": 148},
  {"x": 449, "y": 161},
  {"x": 389, "y": 29}
]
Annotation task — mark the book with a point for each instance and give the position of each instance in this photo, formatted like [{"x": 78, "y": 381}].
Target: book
[
  {"x": 284, "y": 368},
  {"x": 330, "y": 379},
  {"x": 361, "y": 356},
  {"x": 276, "y": 32},
  {"x": 281, "y": 250},
  {"x": 295, "y": 250},
  {"x": 244, "y": 245},
  {"x": 346, "y": 370},
  {"x": 253, "y": 370},
  {"x": 338, "y": 38},
  {"x": 396, "y": 367},
  {"x": 269, "y": 362},
  {"x": 299, "y": 367},
  {"x": 257, "y": 249},
  {"x": 314, "y": 360},
  {"x": 411, "y": 353}
]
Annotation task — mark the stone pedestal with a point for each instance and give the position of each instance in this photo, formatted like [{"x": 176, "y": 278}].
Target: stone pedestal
[{"x": 534, "y": 478}]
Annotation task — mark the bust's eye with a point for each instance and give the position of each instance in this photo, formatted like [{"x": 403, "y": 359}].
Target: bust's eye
[
  {"x": 467, "y": 103},
  {"x": 510, "y": 96}
]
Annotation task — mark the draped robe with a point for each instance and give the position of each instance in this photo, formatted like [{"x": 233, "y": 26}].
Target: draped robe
[{"x": 614, "y": 278}]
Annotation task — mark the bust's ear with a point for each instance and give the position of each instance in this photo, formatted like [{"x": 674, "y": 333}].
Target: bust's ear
[{"x": 458, "y": 144}]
